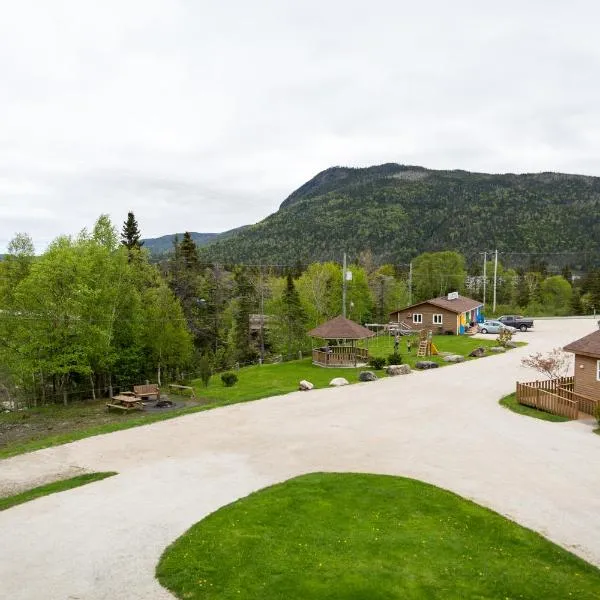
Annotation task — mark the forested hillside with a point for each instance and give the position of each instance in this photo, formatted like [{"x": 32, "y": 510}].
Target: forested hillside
[
  {"x": 164, "y": 243},
  {"x": 398, "y": 212}
]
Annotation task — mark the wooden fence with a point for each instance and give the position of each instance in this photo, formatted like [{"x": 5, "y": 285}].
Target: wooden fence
[
  {"x": 555, "y": 396},
  {"x": 542, "y": 398},
  {"x": 340, "y": 356}
]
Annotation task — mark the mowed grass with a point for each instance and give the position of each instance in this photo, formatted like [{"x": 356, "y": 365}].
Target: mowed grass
[
  {"x": 52, "y": 488},
  {"x": 367, "y": 537},
  {"x": 53, "y": 425},
  {"x": 511, "y": 403}
]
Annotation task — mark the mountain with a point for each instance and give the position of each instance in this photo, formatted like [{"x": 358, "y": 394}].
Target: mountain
[
  {"x": 164, "y": 243},
  {"x": 400, "y": 211}
]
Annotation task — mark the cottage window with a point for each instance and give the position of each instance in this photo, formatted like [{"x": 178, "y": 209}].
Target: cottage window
[
  {"x": 598, "y": 370},
  {"x": 438, "y": 319},
  {"x": 417, "y": 318}
]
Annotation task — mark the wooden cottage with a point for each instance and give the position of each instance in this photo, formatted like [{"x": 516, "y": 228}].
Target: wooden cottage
[
  {"x": 341, "y": 349},
  {"x": 587, "y": 365},
  {"x": 448, "y": 314}
]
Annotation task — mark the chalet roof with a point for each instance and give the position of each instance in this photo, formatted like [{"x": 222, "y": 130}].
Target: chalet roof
[
  {"x": 588, "y": 345},
  {"x": 458, "y": 305},
  {"x": 341, "y": 328}
]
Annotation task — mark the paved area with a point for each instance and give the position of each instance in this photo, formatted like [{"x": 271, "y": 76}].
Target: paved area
[{"x": 444, "y": 426}]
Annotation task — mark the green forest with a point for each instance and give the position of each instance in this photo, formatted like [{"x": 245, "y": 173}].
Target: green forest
[
  {"x": 94, "y": 313},
  {"x": 398, "y": 212}
]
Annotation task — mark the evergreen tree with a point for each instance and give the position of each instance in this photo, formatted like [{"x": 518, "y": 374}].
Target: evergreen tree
[
  {"x": 243, "y": 350},
  {"x": 189, "y": 252},
  {"x": 576, "y": 308},
  {"x": 292, "y": 317},
  {"x": 130, "y": 235}
]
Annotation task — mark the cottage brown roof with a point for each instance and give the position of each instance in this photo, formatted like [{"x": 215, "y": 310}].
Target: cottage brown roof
[
  {"x": 458, "y": 305},
  {"x": 341, "y": 328},
  {"x": 588, "y": 345}
]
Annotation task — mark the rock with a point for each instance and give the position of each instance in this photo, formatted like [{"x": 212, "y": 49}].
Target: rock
[
  {"x": 393, "y": 370},
  {"x": 497, "y": 349},
  {"x": 305, "y": 386},
  {"x": 510, "y": 344},
  {"x": 478, "y": 352},
  {"x": 367, "y": 376},
  {"x": 454, "y": 358},
  {"x": 337, "y": 381},
  {"x": 426, "y": 364}
]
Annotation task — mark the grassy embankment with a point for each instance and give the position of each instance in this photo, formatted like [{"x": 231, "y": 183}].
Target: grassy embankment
[{"x": 355, "y": 536}]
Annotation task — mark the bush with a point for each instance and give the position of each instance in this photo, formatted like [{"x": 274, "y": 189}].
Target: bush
[
  {"x": 229, "y": 379},
  {"x": 377, "y": 362},
  {"x": 504, "y": 337},
  {"x": 394, "y": 359},
  {"x": 598, "y": 413}
]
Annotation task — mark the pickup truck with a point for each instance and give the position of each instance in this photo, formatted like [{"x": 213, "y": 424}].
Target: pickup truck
[{"x": 518, "y": 321}]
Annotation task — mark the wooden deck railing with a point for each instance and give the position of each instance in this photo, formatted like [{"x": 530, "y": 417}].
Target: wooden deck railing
[
  {"x": 340, "y": 356},
  {"x": 543, "y": 399},
  {"x": 584, "y": 403}
]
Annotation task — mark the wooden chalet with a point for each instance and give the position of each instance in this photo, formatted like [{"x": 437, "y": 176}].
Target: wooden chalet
[
  {"x": 448, "y": 314},
  {"x": 586, "y": 379},
  {"x": 341, "y": 350}
]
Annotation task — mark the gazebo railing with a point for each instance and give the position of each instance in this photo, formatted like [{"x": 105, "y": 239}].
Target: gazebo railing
[{"x": 340, "y": 356}]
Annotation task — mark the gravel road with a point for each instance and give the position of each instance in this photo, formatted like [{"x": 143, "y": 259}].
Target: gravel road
[{"x": 102, "y": 541}]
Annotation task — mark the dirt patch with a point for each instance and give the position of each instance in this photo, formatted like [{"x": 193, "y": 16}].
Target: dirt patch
[{"x": 24, "y": 426}]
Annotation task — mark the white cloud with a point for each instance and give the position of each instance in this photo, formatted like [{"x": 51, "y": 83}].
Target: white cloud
[{"x": 205, "y": 115}]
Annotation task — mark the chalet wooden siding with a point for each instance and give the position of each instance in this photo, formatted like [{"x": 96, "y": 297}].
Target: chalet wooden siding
[
  {"x": 450, "y": 320},
  {"x": 586, "y": 376}
]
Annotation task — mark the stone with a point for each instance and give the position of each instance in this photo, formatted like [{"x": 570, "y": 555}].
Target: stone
[
  {"x": 477, "y": 352},
  {"x": 367, "y": 376},
  {"x": 497, "y": 349},
  {"x": 510, "y": 344},
  {"x": 305, "y": 386},
  {"x": 338, "y": 381},
  {"x": 454, "y": 358},
  {"x": 426, "y": 364},
  {"x": 394, "y": 370}
]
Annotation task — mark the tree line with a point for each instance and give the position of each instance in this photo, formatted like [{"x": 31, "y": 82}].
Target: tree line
[{"x": 92, "y": 314}]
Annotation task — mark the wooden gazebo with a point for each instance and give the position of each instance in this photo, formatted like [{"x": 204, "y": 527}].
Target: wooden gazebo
[{"x": 341, "y": 350}]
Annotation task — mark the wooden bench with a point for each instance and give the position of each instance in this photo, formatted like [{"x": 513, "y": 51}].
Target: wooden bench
[
  {"x": 121, "y": 407},
  {"x": 179, "y": 388},
  {"x": 144, "y": 391}
]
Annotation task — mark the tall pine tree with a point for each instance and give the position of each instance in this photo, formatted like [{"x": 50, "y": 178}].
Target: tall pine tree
[{"x": 130, "y": 235}]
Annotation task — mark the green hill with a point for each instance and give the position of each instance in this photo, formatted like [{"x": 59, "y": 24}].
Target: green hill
[{"x": 399, "y": 211}]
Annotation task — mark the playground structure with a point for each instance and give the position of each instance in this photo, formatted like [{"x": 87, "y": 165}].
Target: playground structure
[{"x": 426, "y": 345}]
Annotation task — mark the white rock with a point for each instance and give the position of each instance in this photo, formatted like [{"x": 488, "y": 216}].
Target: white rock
[
  {"x": 393, "y": 370},
  {"x": 337, "y": 381},
  {"x": 305, "y": 386}
]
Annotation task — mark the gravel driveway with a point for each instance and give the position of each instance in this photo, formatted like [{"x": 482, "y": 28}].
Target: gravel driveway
[{"x": 442, "y": 426}]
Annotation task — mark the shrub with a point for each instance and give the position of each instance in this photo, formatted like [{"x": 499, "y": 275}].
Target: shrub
[
  {"x": 504, "y": 337},
  {"x": 394, "y": 359},
  {"x": 229, "y": 379},
  {"x": 597, "y": 415},
  {"x": 377, "y": 362}
]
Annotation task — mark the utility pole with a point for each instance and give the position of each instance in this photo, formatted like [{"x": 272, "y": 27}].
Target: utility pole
[
  {"x": 410, "y": 283},
  {"x": 495, "y": 277},
  {"x": 484, "y": 275},
  {"x": 344, "y": 287}
]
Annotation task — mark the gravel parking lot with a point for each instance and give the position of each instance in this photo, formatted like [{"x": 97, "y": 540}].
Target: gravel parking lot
[{"x": 442, "y": 426}]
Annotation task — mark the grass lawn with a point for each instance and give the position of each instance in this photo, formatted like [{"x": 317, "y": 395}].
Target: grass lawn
[
  {"x": 511, "y": 403},
  {"x": 42, "y": 427},
  {"x": 52, "y": 488},
  {"x": 367, "y": 537}
]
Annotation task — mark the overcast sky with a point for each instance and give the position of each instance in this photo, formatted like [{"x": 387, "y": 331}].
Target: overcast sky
[{"x": 204, "y": 116}]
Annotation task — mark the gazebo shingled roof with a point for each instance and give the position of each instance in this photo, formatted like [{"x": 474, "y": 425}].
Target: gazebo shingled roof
[{"x": 341, "y": 328}]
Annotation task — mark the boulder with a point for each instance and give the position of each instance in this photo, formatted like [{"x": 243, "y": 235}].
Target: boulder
[
  {"x": 477, "y": 352},
  {"x": 305, "y": 386},
  {"x": 367, "y": 376},
  {"x": 454, "y": 358},
  {"x": 497, "y": 349},
  {"x": 394, "y": 370},
  {"x": 426, "y": 364},
  {"x": 337, "y": 381},
  {"x": 510, "y": 344}
]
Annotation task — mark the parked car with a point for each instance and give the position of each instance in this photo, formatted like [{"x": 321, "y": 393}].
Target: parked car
[
  {"x": 494, "y": 327},
  {"x": 518, "y": 321}
]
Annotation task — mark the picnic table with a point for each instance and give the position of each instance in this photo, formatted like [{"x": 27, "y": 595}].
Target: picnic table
[{"x": 125, "y": 402}]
